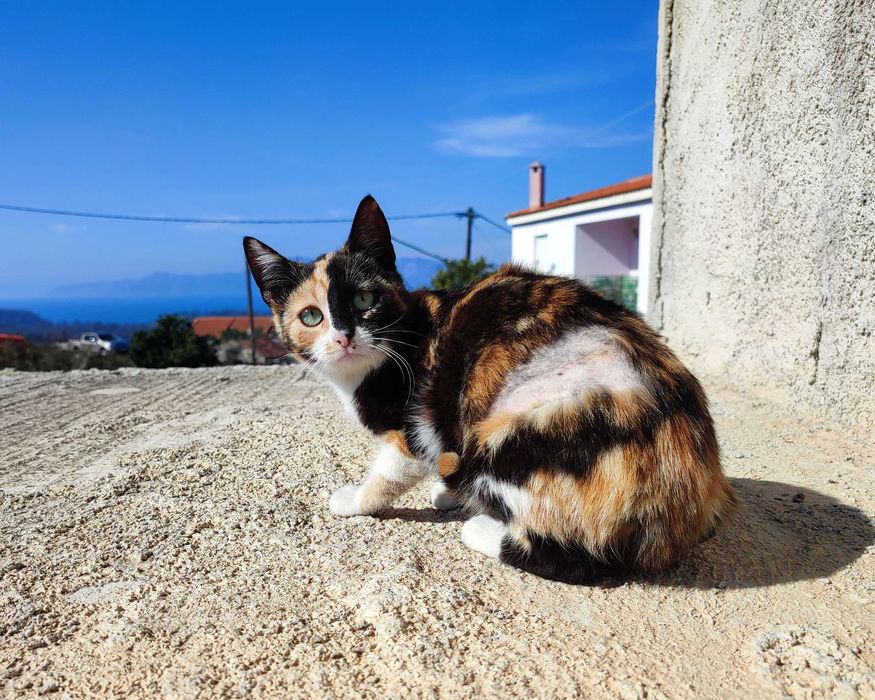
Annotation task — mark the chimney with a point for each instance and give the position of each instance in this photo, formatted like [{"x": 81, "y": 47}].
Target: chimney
[{"x": 536, "y": 185}]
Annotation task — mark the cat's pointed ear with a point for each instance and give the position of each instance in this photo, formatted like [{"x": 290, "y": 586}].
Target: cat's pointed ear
[
  {"x": 275, "y": 275},
  {"x": 370, "y": 232}
]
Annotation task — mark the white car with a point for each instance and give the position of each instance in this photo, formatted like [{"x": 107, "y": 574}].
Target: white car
[{"x": 101, "y": 343}]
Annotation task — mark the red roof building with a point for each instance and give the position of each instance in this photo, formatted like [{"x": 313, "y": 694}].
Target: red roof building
[
  {"x": 633, "y": 184},
  {"x": 267, "y": 348},
  {"x": 216, "y": 325},
  {"x": 601, "y": 236}
]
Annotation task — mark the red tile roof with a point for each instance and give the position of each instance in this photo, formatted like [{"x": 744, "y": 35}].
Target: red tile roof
[
  {"x": 269, "y": 348},
  {"x": 216, "y": 325},
  {"x": 642, "y": 182}
]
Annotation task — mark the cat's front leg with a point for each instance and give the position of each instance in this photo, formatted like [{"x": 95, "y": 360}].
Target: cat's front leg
[{"x": 393, "y": 472}]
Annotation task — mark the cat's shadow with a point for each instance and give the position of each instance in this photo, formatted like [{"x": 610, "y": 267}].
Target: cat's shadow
[
  {"x": 780, "y": 533},
  {"x": 424, "y": 515}
]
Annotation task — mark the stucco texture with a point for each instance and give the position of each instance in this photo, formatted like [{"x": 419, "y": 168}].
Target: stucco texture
[{"x": 764, "y": 209}]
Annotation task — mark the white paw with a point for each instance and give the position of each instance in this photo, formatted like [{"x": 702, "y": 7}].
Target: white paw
[
  {"x": 444, "y": 499},
  {"x": 484, "y": 534},
  {"x": 345, "y": 501}
]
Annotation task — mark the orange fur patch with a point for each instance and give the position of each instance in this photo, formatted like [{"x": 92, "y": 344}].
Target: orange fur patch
[
  {"x": 447, "y": 464},
  {"x": 432, "y": 305},
  {"x": 593, "y": 511},
  {"x": 559, "y": 300},
  {"x": 399, "y": 442},
  {"x": 313, "y": 292},
  {"x": 562, "y": 416},
  {"x": 494, "y": 430},
  {"x": 649, "y": 505},
  {"x": 489, "y": 375}
]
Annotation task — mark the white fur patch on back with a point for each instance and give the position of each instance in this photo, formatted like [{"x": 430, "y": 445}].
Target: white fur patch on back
[{"x": 580, "y": 362}]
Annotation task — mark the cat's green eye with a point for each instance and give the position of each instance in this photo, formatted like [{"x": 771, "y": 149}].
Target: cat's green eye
[
  {"x": 363, "y": 300},
  {"x": 311, "y": 316}
]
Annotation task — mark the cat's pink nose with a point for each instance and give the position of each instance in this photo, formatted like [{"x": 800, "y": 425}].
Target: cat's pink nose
[{"x": 342, "y": 340}]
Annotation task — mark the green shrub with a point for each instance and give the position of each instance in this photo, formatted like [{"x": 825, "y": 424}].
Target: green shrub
[
  {"x": 48, "y": 358},
  {"x": 172, "y": 343},
  {"x": 17, "y": 356},
  {"x": 457, "y": 274},
  {"x": 623, "y": 290}
]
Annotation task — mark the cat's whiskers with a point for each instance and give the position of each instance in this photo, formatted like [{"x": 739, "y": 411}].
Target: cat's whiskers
[
  {"x": 397, "y": 330},
  {"x": 401, "y": 360},
  {"x": 395, "y": 340},
  {"x": 382, "y": 328},
  {"x": 277, "y": 360},
  {"x": 394, "y": 360},
  {"x": 403, "y": 365}
]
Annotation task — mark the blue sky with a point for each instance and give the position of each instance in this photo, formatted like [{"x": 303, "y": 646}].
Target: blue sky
[{"x": 293, "y": 109}]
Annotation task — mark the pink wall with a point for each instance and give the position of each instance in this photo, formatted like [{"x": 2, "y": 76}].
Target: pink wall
[{"x": 606, "y": 248}]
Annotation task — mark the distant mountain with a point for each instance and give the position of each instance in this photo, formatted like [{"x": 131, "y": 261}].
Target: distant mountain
[
  {"x": 417, "y": 272},
  {"x": 21, "y": 321},
  {"x": 158, "y": 284}
]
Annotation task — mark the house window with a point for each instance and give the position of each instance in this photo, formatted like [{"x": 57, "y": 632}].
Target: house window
[{"x": 540, "y": 253}]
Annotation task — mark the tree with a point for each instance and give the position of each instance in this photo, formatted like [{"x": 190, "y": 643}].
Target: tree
[
  {"x": 456, "y": 274},
  {"x": 172, "y": 343}
]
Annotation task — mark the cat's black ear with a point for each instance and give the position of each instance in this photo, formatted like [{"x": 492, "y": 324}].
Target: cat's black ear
[
  {"x": 370, "y": 233},
  {"x": 275, "y": 274}
]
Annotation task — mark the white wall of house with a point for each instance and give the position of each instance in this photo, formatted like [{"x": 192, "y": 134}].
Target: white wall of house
[{"x": 589, "y": 240}]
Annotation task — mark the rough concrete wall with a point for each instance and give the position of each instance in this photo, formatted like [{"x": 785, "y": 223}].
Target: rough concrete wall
[{"x": 764, "y": 198}]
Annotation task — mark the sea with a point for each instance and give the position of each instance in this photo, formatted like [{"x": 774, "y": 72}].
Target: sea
[{"x": 132, "y": 309}]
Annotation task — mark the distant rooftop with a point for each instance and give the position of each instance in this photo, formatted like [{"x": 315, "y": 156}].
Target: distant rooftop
[
  {"x": 633, "y": 184},
  {"x": 216, "y": 325}
]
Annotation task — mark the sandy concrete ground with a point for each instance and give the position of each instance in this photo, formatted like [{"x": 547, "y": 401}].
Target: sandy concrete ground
[{"x": 167, "y": 533}]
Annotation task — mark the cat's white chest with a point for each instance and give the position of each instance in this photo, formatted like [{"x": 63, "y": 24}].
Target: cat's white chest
[
  {"x": 349, "y": 408},
  {"x": 347, "y": 400},
  {"x": 345, "y": 388}
]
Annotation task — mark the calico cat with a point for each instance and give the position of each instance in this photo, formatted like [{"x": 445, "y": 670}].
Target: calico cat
[{"x": 556, "y": 415}]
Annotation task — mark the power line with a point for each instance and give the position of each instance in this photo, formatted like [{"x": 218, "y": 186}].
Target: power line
[
  {"x": 397, "y": 240},
  {"x": 488, "y": 242},
  {"x": 232, "y": 221},
  {"x": 623, "y": 117},
  {"x": 490, "y": 221},
  {"x": 192, "y": 220}
]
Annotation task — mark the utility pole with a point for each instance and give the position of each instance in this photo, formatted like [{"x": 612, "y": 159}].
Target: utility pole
[
  {"x": 249, "y": 304},
  {"x": 470, "y": 216}
]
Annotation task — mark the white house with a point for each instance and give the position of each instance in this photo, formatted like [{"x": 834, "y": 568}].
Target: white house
[{"x": 602, "y": 236}]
